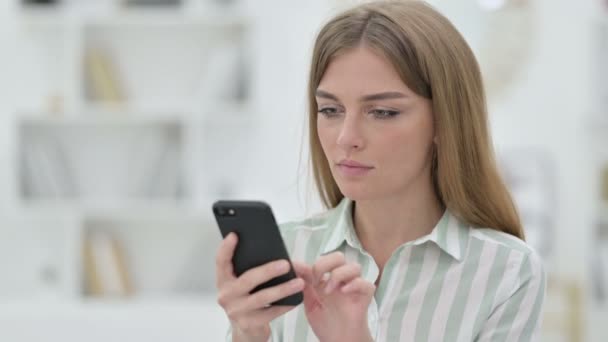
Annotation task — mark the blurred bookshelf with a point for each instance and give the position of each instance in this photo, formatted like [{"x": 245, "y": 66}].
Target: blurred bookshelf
[
  {"x": 598, "y": 128},
  {"x": 121, "y": 152}
]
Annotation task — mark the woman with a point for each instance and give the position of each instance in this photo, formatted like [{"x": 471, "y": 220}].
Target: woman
[{"x": 421, "y": 241}]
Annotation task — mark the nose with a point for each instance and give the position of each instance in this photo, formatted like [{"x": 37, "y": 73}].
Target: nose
[{"x": 350, "y": 136}]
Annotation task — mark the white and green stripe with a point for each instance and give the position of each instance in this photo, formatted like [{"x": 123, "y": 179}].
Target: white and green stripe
[{"x": 458, "y": 283}]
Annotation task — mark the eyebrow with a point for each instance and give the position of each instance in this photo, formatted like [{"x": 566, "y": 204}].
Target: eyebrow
[{"x": 371, "y": 97}]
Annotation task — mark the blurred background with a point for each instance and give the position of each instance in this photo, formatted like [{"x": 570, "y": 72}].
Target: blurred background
[{"x": 123, "y": 120}]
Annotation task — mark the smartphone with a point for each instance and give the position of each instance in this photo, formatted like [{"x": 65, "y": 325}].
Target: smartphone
[{"x": 260, "y": 240}]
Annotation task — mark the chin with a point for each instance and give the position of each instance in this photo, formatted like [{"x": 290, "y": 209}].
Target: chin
[{"x": 357, "y": 192}]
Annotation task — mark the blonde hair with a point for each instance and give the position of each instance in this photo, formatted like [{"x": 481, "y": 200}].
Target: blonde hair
[{"x": 434, "y": 61}]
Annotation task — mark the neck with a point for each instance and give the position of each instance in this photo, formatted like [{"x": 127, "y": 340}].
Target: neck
[{"x": 384, "y": 224}]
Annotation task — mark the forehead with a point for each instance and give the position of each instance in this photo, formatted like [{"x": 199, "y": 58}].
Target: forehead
[{"x": 361, "y": 70}]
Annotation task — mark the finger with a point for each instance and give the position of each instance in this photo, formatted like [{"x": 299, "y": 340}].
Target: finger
[
  {"x": 264, "y": 316},
  {"x": 257, "y": 317},
  {"x": 327, "y": 263},
  {"x": 342, "y": 274},
  {"x": 223, "y": 259},
  {"x": 359, "y": 285},
  {"x": 259, "y": 275},
  {"x": 264, "y": 297},
  {"x": 310, "y": 294},
  {"x": 303, "y": 270}
]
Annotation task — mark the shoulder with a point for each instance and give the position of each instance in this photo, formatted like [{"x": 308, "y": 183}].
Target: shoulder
[
  {"x": 524, "y": 265},
  {"x": 503, "y": 240}
]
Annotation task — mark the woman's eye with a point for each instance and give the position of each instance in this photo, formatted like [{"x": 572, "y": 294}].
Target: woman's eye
[
  {"x": 329, "y": 112},
  {"x": 384, "y": 113}
]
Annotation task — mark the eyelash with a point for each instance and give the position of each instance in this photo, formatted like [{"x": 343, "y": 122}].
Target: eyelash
[{"x": 387, "y": 113}]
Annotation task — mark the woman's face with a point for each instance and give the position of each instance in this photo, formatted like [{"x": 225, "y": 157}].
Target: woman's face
[{"x": 376, "y": 133}]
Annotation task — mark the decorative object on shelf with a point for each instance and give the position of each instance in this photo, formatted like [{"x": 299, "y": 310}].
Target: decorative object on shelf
[
  {"x": 105, "y": 269},
  {"x": 31, "y": 252},
  {"x": 49, "y": 278},
  {"x": 56, "y": 105},
  {"x": 102, "y": 78},
  {"x": 530, "y": 175}
]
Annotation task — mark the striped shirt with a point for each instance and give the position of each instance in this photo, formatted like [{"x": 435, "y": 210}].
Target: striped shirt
[{"x": 458, "y": 283}]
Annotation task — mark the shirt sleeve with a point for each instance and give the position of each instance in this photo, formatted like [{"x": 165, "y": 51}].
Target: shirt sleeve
[{"x": 519, "y": 316}]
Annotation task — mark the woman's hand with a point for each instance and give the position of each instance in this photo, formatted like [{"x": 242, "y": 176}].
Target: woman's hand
[
  {"x": 249, "y": 314},
  {"x": 336, "y": 298}
]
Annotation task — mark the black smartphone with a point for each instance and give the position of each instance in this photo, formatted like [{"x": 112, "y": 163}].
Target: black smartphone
[{"x": 260, "y": 240}]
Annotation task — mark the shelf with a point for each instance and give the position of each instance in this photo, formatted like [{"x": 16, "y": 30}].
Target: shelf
[
  {"x": 195, "y": 319},
  {"x": 107, "y": 16},
  {"x": 138, "y": 170},
  {"x": 139, "y": 108},
  {"x": 167, "y": 18},
  {"x": 45, "y": 17},
  {"x": 122, "y": 210},
  {"x": 218, "y": 114},
  {"x": 137, "y": 308},
  {"x": 229, "y": 114},
  {"x": 117, "y": 117}
]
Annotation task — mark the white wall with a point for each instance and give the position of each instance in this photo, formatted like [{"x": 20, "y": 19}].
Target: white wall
[
  {"x": 284, "y": 37},
  {"x": 549, "y": 108}
]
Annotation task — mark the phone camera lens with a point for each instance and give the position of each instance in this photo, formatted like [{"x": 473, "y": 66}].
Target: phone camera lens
[{"x": 231, "y": 212}]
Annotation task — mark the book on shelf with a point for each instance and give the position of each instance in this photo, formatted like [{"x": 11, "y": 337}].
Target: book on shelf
[
  {"x": 46, "y": 168},
  {"x": 102, "y": 81},
  {"x": 105, "y": 269},
  {"x": 163, "y": 179}
]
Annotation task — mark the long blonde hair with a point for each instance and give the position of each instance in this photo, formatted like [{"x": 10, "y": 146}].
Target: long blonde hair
[{"x": 434, "y": 61}]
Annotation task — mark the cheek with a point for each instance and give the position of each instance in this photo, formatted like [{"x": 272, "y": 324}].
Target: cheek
[
  {"x": 326, "y": 137},
  {"x": 406, "y": 146}
]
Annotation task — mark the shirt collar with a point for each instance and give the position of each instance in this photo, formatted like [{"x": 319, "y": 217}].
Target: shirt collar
[{"x": 450, "y": 234}]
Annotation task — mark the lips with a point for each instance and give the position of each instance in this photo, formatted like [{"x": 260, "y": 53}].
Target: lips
[
  {"x": 352, "y": 163},
  {"x": 351, "y": 168}
]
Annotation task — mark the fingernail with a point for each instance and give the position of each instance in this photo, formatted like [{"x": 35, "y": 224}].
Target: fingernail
[{"x": 325, "y": 277}]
